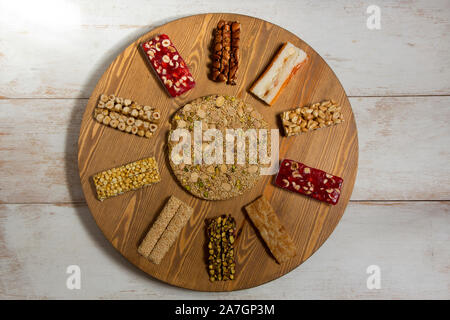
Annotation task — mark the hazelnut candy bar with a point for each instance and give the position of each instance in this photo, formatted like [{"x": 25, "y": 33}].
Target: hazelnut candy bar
[
  {"x": 315, "y": 183},
  {"x": 168, "y": 65},
  {"x": 127, "y": 116}
]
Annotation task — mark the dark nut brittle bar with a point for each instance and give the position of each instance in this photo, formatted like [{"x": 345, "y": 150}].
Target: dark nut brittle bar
[
  {"x": 221, "y": 232},
  {"x": 127, "y": 116},
  {"x": 225, "y": 52},
  {"x": 168, "y": 65},
  {"x": 315, "y": 183}
]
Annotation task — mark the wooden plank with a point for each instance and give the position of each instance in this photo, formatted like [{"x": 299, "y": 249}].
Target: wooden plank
[
  {"x": 408, "y": 240},
  {"x": 64, "y": 55},
  {"x": 403, "y": 151},
  {"x": 38, "y": 150},
  {"x": 402, "y": 141}
]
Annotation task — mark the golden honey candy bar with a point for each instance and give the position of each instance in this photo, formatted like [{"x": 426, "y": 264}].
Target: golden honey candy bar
[
  {"x": 272, "y": 231},
  {"x": 131, "y": 176}
]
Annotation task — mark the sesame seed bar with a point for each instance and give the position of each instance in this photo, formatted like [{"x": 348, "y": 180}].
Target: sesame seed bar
[
  {"x": 307, "y": 118},
  {"x": 160, "y": 225},
  {"x": 127, "y": 116},
  {"x": 272, "y": 231},
  {"x": 131, "y": 176},
  {"x": 183, "y": 214}
]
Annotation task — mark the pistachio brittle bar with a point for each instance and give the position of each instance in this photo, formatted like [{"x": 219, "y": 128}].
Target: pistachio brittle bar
[{"x": 221, "y": 232}]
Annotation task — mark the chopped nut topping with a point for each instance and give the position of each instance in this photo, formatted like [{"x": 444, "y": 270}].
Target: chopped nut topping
[
  {"x": 221, "y": 234},
  {"x": 316, "y": 116}
]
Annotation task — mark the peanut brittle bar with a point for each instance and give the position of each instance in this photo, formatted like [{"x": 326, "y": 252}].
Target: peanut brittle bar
[
  {"x": 319, "y": 115},
  {"x": 272, "y": 231},
  {"x": 131, "y": 176}
]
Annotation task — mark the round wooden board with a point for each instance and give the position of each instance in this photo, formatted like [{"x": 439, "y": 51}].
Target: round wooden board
[{"x": 125, "y": 219}]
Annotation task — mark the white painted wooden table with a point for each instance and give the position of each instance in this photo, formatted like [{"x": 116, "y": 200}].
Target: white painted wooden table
[{"x": 53, "y": 52}]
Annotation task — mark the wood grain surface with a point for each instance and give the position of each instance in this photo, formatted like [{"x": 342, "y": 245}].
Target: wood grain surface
[
  {"x": 46, "y": 133},
  {"x": 35, "y": 255},
  {"x": 391, "y": 221},
  {"x": 94, "y": 34},
  {"x": 125, "y": 219}
]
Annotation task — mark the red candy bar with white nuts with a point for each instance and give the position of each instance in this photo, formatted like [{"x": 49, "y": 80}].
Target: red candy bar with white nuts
[
  {"x": 168, "y": 65},
  {"x": 315, "y": 183}
]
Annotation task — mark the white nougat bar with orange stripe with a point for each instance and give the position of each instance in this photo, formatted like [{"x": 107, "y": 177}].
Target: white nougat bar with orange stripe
[{"x": 277, "y": 75}]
